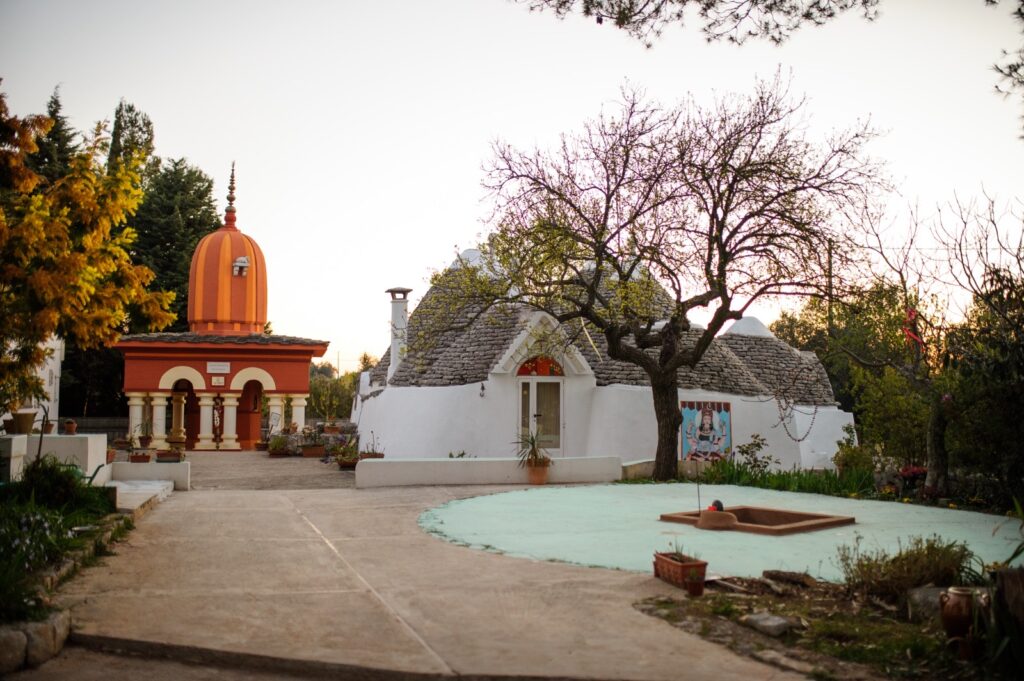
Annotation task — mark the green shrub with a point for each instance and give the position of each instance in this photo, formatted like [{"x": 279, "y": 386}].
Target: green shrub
[
  {"x": 923, "y": 562},
  {"x": 851, "y": 456},
  {"x": 856, "y": 482},
  {"x": 749, "y": 455},
  {"x": 32, "y": 537},
  {"x": 47, "y": 482}
]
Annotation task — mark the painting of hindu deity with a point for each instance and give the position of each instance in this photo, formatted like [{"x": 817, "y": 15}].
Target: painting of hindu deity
[{"x": 706, "y": 431}]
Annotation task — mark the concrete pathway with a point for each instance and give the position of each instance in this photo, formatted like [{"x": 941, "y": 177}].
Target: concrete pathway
[{"x": 343, "y": 581}]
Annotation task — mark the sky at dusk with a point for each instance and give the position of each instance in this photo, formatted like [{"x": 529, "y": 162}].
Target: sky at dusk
[{"x": 359, "y": 129}]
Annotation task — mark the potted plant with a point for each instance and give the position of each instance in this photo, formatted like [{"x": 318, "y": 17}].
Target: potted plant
[
  {"x": 169, "y": 455},
  {"x": 533, "y": 457},
  {"x": 312, "y": 444},
  {"x": 111, "y": 455},
  {"x": 278, "y": 446},
  {"x": 261, "y": 445},
  {"x": 145, "y": 434},
  {"x": 373, "y": 449},
  {"x": 70, "y": 427},
  {"x": 681, "y": 569},
  {"x": 345, "y": 453},
  {"x": 136, "y": 454}
]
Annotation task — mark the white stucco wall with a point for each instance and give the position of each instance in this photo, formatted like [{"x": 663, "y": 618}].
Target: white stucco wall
[
  {"x": 431, "y": 422},
  {"x": 615, "y": 420},
  {"x": 817, "y": 449},
  {"x": 49, "y": 373}
]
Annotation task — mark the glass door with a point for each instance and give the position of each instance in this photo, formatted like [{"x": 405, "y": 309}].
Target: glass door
[{"x": 540, "y": 412}]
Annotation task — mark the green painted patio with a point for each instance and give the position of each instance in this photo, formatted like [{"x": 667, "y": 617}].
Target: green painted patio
[{"x": 617, "y": 526}]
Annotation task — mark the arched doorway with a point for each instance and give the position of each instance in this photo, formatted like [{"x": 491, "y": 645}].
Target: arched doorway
[
  {"x": 250, "y": 413},
  {"x": 184, "y": 414},
  {"x": 540, "y": 382}
]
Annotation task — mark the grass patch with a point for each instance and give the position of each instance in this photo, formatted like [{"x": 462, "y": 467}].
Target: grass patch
[{"x": 877, "y": 642}]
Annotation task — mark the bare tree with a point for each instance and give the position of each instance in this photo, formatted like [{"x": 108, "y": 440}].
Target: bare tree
[
  {"x": 650, "y": 213},
  {"x": 732, "y": 20},
  {"x": 738, "y": 20}
]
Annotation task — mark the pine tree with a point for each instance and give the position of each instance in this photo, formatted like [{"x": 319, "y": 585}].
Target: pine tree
[
  {"x": 58, "y": 146},
  {"x": 176, "y": 213}
]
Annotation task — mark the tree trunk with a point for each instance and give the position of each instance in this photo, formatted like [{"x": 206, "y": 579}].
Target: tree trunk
[
  {"x": 936, "y": 483},
  {"x": 670, "y": 418}
]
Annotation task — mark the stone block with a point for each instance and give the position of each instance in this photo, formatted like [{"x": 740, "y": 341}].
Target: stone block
[
  {"x": 12, "y": 649},
  {"x": 61, "y": 621},
  {"x": 766, "y": 623},
  {"x": 42, "y": 642}
]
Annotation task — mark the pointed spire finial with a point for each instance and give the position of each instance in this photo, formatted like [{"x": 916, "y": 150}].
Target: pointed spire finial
[{"x": 229, "y": 212}]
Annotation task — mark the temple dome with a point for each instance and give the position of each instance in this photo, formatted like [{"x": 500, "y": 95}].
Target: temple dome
[{"x": 227, "y": 285}]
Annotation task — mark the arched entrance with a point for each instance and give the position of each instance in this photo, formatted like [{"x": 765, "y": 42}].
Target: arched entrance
[
  {"x": 184, "y": 414},
  {"x": 540, "y": 382},
  {"x": 250, "y": 413}
]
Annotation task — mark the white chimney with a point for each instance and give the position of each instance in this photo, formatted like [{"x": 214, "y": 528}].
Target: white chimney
[{"x": 399, "y": 322}]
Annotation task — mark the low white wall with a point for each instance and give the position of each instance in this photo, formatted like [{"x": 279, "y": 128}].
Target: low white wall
[
  {"x": 634, "y": 470},
  {"x": 12, "y": 457},
  {"x": 87, "y": 451},
  {"x": 397, "y": 473},
  {"x": 818, "y": 448},
  {"x": 179, "y": 472}
]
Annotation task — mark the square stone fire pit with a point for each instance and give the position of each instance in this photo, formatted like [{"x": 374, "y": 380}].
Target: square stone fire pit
[{"x": 772, "y": 521}]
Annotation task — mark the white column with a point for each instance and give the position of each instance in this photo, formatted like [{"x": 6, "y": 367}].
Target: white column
[
  {"x": 178, "y": 419},
  {"x": 299, "y": 410},
  {"x": 136, "y": 401},
  {"x": 275, "y": 405},
  {"x": 206, "y": 421},
  {"x": 229, "y": 430},
  {"x": 159, "y": 401}
]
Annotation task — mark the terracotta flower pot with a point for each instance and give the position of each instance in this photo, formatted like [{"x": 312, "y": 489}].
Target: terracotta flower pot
[
  {"x": 312, "y": 451},
  {"x": 332, "y": 430},
  {"x": 111, "y": 455},
  {"x": 139, "y": 458},
  {"x": 537, "y": 475},
  {"x": 48, "y": 428},
  {"x": 70, "y": 428},
  {"x": 680, "y": 572}
]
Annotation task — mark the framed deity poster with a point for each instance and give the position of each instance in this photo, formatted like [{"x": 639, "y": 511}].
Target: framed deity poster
[{"x": 706, "y": 431}]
